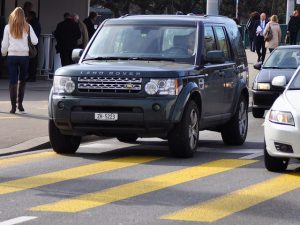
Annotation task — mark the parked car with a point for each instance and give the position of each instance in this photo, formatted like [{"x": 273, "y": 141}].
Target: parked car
[
  {"x": 154, "y": 76},
  {"x": 282, "y": 125},
  {"x": 282, "y": 62}
]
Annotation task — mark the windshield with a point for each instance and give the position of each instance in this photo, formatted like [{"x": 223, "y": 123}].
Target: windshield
[
  {"x": 144, "y": 42},
  {"x": 287, "y": 58},
  {"x": 295, "y": 85}
]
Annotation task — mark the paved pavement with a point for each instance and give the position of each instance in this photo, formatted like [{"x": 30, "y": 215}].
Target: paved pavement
[{"x": 29, "y": 131}]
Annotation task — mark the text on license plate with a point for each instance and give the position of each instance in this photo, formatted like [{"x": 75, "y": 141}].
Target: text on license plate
[{"x": 106, "y": 116}]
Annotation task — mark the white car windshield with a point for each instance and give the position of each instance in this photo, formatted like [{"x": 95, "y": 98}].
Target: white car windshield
[
  {"x": 285, "y": 58},
  {"x": 295, "y": 85},
  {"x": 145, "y": 42}
]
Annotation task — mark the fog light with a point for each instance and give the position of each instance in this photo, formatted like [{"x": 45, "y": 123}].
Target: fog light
[
  {"x": 156, "y": 107},
  {"x": 61, "y": 105},
  {"x": 283, "y": 147}
]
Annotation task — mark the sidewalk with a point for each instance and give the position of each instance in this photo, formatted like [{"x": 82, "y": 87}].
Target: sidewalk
[{"x": 19, "y": 133}]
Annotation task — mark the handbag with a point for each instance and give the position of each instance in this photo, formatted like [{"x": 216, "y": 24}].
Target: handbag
[
  {"x": 269, "y": 35},
  {"x": 32, "y": 48}
]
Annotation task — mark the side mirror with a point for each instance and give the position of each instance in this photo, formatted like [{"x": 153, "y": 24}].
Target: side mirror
[
  {"x": 257, "y": 66},
  {"x": 215, "y": 57},
  {"x": 279, "y": 81},
  {"x": 76, "y": 54}
]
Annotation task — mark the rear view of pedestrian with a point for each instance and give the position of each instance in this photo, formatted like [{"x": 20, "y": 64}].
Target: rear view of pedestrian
[
  {"x": 251, "y": 29},
  {"x": 15, "y": 46},
  {"x": 275, "y": 30},
  {"x": 2, "y": 26},
  {"x": 293, "y": 27}
]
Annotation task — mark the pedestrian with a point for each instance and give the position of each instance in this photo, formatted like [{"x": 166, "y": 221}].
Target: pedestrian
[
  {"x": 15, "y": 46},
  {"x": 293, "y": 27},
  {"x": 251, "y": 30},
  {"x": 90, "y": 23},
  {"x": 275, "y": 31},
  {"x": 33, "y": 62},
  {"x": 66, "y": 34},
  {"x": 84, "y": 39},
  {"x": 2, "y": 26},
  {"x": 260, "y": 42},
  {"x": 27, "y": 7}
]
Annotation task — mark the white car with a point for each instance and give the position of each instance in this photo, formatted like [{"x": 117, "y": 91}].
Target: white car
[{"x": 282, "y": 125}]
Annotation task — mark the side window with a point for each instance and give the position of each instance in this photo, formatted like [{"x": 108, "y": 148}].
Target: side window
[
  {"x": 222, "y": 42},
  {"x": 209, "y": 40}
]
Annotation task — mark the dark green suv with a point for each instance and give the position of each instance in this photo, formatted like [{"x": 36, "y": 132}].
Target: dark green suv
[{"x": 154, "y": 76}]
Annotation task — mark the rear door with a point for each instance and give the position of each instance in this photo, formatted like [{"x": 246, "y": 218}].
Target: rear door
[{"x": 227, "y": 71}]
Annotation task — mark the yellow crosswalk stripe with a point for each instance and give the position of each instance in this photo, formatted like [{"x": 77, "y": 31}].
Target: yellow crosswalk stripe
[
  {"x": 140, "y": 187},
  {"x": 9, "y": 117},
  {"x": 25, "y": 158},
  {"x": 72, "y": 173},
  {"x": 239, "y": 200}
]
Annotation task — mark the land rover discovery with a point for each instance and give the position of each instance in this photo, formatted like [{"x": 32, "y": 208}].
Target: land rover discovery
[{"x": 166, "y": 76}]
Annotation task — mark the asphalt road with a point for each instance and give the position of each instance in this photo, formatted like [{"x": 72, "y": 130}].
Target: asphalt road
[{"x": 113, "y": 183}]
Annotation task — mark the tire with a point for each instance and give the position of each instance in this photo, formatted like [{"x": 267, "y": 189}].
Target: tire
[
  {"x": 183, "y": 139},
  {"x": 258, "y": 113},
  {"x": 62, "y": 144},
  {"x": 235, "y": 131},
  {"x": 274, "y": 164},
  {"x": 128, "y": 138}
]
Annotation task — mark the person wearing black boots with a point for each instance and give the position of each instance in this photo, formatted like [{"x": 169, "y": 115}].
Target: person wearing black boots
[{"x": 15, "y": 46}]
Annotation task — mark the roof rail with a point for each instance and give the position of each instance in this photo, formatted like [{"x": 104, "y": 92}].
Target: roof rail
[{"x": 126, "y": 15}]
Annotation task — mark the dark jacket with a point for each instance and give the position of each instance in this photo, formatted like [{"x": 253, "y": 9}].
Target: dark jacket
[
  {"x": 66, "y": 34},
  {"x": 2, "y": 26},
  {"x": 36, "y": 26},
  {"x": 90, "y": 27},
  {"x": 257, "y": 24},
  {"x": 294, "y": 24},
  {"x": 250, "y": 27}
]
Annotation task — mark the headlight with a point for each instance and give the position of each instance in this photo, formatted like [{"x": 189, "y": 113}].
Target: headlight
[
  {"x": 63, "y": 85},
  {"x": 261, "y": 86},
  {"x": 162, "y": 87},
  {"x": 281, "y": 117}
]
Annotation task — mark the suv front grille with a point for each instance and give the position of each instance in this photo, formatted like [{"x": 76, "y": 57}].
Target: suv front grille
[{"x": 109, "y": 84}]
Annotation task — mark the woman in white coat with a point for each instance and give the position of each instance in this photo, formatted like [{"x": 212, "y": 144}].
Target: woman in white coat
[{"x": 15, "y": 47}]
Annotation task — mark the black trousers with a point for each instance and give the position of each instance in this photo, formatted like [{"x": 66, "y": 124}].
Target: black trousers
[
  {"x": 260, "y": 48},
  {"x": 293, "y": 38},
  {"x": 66, "y": 57}
]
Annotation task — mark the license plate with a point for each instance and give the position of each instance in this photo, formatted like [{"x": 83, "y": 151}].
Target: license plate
[{"x": 106, "y": 116}]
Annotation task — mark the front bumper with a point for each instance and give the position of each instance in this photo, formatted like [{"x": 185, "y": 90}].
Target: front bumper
[
  {"x": 282, "y": 134},
  {"x": 264, "y": 99},
  {"x": 136, "y": 115}
]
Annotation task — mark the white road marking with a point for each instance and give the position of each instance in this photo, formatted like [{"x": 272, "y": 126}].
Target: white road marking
[
  {"x": 18, "y": 220},
  {"x": 253, "y": 156}
]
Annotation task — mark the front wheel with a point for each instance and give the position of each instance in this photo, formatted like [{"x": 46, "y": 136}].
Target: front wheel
[
  {"x": 63, "y": 144},
  {"x": 235, "y": 131},
  {"x": 183, "y": 140},
  {"x": 258, "y": 113},
  {"x": 274, "y": 164}
]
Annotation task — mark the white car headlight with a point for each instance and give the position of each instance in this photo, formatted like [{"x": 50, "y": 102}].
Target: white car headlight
[
  {"x": 281, "y": 117},
  {"x": 63, "y": 85},
  {"x": 261, "y": 86},
  {"x": 162, "y": 87}
]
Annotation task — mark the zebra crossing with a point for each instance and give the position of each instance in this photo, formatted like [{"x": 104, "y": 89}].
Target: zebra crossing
[{"x": 169, "y": 178}]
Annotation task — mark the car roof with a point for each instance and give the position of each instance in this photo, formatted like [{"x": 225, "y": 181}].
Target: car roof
[{"x": 190, "y": 18}]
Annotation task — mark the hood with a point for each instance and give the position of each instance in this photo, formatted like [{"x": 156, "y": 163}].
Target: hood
[
  {"x": 292, "y": 97},
  {"x": 128, "y": 68},
  {"x": 267, "y": 75}
]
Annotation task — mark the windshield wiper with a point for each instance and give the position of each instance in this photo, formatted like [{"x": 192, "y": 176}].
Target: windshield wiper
[
  {"x": 276, "y": 67},
  {"x": 294, "y": 89},
  {"x": 152, "y": 59},
  {"x": 105, "y": 58}
]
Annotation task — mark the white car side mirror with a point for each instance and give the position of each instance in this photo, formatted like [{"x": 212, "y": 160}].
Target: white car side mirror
[{"x": 279, "y": 81}]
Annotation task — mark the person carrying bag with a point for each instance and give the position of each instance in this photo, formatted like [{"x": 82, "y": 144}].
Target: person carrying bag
[
  {"x": 272, "y": 34},
  {"x": 15, "y": 45}
]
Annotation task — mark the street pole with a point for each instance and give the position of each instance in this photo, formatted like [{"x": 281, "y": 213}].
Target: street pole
[
  {"x": 237, "y": 9},
  {"x": 290, "y": 6},
  {"x": 212, "y": 7}
]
